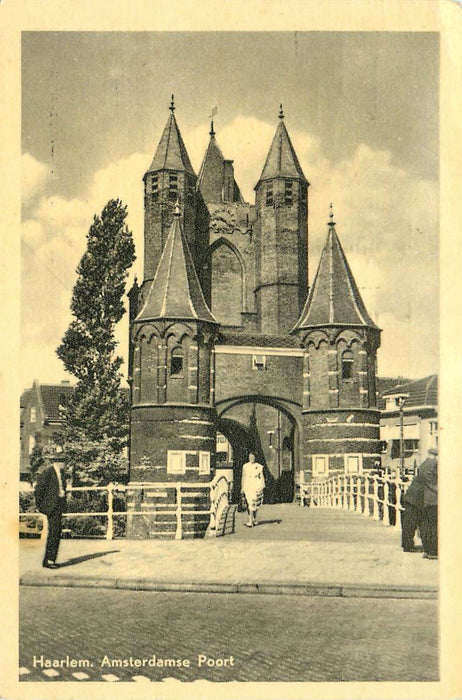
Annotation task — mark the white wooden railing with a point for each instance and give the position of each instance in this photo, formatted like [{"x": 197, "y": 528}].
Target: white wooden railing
[
  {"x": 374, "y": 496},
  {"x": 219, "y": 489}
]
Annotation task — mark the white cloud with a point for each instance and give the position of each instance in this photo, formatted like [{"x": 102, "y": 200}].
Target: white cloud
[
  {"x": 387, "y": 222},
  {"x": 34, "y": 177}
]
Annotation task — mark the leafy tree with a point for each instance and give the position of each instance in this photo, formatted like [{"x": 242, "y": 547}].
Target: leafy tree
[
  {"x": 37, "y": 458},
  {"x": 96, "y": 414}
]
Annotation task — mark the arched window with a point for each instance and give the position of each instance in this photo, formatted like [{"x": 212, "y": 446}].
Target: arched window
[
  {"x": 347, "y": 364},
  {"x": 176, "y": 362}
]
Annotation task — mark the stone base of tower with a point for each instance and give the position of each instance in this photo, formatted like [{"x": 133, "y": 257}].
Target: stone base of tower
[
  {"x": 170, "y": 445},
  {"x": 340, "y": 441}
]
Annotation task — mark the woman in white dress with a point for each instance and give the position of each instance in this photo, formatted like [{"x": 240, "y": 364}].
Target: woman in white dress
[{"x": 252, "y": 485}]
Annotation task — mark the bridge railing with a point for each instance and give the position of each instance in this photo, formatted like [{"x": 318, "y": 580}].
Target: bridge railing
[
  {"x": 372, "y": 495},
  {"x": 107, "y": 515}
]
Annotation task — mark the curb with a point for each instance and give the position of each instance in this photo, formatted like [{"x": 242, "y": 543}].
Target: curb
[{"x": 266, "y": 588}]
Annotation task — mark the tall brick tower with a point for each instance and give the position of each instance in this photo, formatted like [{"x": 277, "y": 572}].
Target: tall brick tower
[
  {"x": 172, "y": 414},
  {"x": 340, "y": 340},
  {"x": 282, "y": 211},
  {"x": 169, "y": 178}
]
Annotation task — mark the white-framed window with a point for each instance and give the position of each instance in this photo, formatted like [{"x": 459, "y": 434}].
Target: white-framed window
[
  {"x": 353, "y": 464},
  {"x": 320, "y": 465},
  {"x": 33, "y": 414},
  {"x": 204, "y": 462},
  {"x": 259, "y": 362},
  {"x": 176, "y": 462}
]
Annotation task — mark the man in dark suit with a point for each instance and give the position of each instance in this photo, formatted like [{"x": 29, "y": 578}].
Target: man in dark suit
[
  {"x": 50, "y": 497},
  {"x": 429, "y": 524},
  {"x": 419, "y": 503}
]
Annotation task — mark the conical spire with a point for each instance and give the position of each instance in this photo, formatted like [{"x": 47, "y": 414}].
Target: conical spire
[
  {"x": 176, "y": 292},
  {"x": 216, "y": 175},
  {"x": 282, "y": 160},
  {"x": 171, "y": 153},
  {"x": 334, "y": 298}
]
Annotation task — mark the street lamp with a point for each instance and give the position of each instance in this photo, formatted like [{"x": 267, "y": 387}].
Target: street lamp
[{"x": 400, "y": 401}]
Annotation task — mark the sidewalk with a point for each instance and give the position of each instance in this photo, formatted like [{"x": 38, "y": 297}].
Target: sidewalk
[{"x": 295, "y": 551}]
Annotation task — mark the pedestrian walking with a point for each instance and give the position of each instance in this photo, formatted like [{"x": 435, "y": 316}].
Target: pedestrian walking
[
  {"x": 252, "y": 485},
  {"x": 411, "y": 517},
  {"x": 50, "y": 497}
]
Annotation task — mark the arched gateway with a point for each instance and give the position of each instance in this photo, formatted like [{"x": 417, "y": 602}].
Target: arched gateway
[{"x": 225, "y": 339}]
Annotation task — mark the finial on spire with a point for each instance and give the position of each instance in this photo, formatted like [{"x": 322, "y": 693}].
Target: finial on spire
[
  {"x": 177, "y": 211},
  {"x": 172, "y": 104},
  {"x": 281, "y": 112},
  {"x": 331, "y": 216},
  {"x": 212, "y": 130}
]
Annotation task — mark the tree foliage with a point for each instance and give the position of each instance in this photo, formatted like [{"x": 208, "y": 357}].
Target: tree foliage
[
  {"x": 96, "y": 414},
  {"x": 37, "y": 458}
]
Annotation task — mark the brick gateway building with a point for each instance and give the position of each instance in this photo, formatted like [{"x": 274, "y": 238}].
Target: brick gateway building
[{"x": 225, "y": 339}]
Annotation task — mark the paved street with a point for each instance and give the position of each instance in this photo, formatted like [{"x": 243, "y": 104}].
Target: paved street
[{"x": 242, "y": 637}]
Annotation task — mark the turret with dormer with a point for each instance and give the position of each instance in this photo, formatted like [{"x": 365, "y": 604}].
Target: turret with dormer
[
  {"x": 282, "y": 230},
  {"x": 340, "y": 412},
  {"x": 173, "y": 413}
]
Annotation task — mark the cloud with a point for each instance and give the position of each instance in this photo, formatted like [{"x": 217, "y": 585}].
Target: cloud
[
  {"x": 34, "y": 177},
  {"x": 386, "y": 219}
]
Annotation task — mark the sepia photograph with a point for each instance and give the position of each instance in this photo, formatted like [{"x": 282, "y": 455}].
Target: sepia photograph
[{"x": 229, "y": 360}]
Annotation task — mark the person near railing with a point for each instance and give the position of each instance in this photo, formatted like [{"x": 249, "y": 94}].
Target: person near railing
[
  {"x": 252, "y": 485},
  {"x": 428, "y": 472},
  {"x": 50, "y": 498},
  {"x": 420, "y": 508}
]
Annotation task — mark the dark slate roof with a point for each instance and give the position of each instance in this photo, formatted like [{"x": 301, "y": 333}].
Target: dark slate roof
[
  {"x": 52, "y": 395},
  {"x": 422, "y": 392},
  {"x": 334, "y": 298},
  {"x": 171, "y": 152},
  {"x": 176, "y": 292},
  {"x": 267, "y": 341},
  {"x": 282, "y": 160},
  {"x": 211, "y": 174}
]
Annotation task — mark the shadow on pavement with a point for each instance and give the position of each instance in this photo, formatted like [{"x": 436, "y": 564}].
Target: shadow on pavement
[
  {"x": 268, "y": 522},
  {"x": 79, "y": 560}
]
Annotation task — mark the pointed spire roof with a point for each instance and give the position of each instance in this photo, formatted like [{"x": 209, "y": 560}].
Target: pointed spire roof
[
  {"x": 334, "y": 298},
  {"x": 176, "y": 292},
  {"x": 211, "y": 177},
  {"x": 171, "y": 153},
  {"x": 282, "y": 160}
]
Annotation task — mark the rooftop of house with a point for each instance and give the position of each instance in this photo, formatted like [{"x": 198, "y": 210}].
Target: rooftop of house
[{"x": 420, "y": 392}]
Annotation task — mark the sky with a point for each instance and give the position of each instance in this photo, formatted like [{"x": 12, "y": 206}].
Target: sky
[{"x": 362, "y": 113}]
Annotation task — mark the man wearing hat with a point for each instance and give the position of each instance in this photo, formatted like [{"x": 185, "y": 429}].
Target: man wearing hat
[
  {"x": 50, "y": 497},
  {"x": 420, "y": 508}
]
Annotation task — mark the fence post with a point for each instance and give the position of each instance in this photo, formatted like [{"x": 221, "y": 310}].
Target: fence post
[
  {"x": 213, "y": 497},
  {"x": 358, "y": 494},
  {"x": 375, "y": 499},
  {"x": 386, "y": 514},
  {"x": 179, "y": 531},
  {"x": 110, "y": 512},
  {"x": 398, "y": 504}
]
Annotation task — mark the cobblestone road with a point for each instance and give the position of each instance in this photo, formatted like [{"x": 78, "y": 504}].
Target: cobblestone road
[{"x": 263, "y": 638}]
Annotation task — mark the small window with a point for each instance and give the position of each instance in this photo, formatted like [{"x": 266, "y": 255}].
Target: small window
[
  {"x": 353, "y": 464},
  {"x": 176, "y": 462},
  {"x": 320, "y": 465},
  {"x": 347, "y": 365},
  {"x": 173, "y": 187},
  {"x": 176, "y": 362},
  {"x": 155, "y": 183},
  {"x": 259, "y": 362},
  {"x": 33, "y": 414},
  {"x": 288, "y": 193},
  {"x": 269, "y": 195}
]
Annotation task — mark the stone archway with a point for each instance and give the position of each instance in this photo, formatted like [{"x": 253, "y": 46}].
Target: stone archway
[{"x": 270, "y": 429}]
